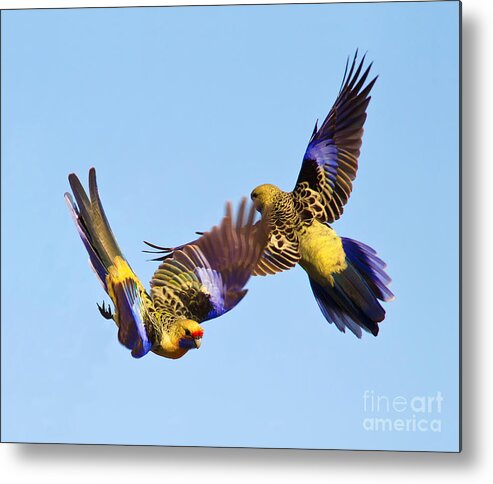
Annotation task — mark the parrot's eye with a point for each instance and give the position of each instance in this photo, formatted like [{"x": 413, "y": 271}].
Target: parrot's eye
[
  {"x": 187, "y": 332},
  {"x": 254, "y": 195}
]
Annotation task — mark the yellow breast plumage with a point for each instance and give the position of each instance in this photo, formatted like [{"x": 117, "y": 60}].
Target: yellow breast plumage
[{"x": 322, "y": 253}]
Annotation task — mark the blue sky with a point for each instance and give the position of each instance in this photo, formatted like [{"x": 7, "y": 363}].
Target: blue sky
[{"x": 179, "y": 110}]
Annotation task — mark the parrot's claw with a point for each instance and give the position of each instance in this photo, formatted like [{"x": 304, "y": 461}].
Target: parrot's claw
[{"x": 105, "y": 311}]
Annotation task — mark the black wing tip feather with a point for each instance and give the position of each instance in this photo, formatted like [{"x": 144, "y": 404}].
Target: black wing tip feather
[
  {"x": 345, "y": 73},
  {"x": 166, "y": 251},
  {"x": 354, "y": 90},
  {"x": 354, "y": 80},
  {"x": 348, "y": 74},
  {"x": 157, "y": 247}
]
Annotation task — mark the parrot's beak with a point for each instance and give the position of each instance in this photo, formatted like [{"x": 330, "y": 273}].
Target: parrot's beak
[{"x": 198, "y": 342}]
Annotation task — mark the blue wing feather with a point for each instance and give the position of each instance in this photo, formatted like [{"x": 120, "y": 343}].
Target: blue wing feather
[
  {"x": 330, "y": 162},
  {"x": 214, "y": 284},
  {"x": 130, "y": 310}
]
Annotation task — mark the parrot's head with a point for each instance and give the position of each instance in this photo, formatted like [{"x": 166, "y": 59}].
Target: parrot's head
[
  {"x": 263, "y": 196},
  {"x": 183, "y": 335},
  {"x": 189, "y": 334}
]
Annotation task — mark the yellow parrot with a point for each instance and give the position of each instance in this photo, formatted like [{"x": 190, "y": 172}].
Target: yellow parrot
[
  {"x": 346, "y": 276},
  {"x": 201, "y": 281}
]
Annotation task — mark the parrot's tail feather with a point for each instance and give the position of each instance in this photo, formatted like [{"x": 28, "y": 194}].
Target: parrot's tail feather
[
  {"x": 100, "y": 223},
  {"x": 94, "y": 259},
  {"x": 371, "y": 267},
  {"x": 93, "y": 225},
  {"x": 352, "y": 301}
]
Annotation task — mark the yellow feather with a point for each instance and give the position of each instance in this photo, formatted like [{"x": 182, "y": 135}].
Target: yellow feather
[
  {"x": 119, "y": 271},
  {"x": 117, "y": 274},
  {"x": 322, "y": 253}
]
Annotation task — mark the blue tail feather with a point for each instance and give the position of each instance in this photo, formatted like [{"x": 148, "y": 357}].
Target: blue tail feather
[
  {"x": 352, "y": 300},
  {"x": 371, "y": 267}
]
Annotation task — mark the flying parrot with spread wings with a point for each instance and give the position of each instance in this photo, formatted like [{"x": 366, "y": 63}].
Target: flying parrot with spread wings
[
  {"x": 201, "y": 281},
  {"x": 347, "y": 278}
]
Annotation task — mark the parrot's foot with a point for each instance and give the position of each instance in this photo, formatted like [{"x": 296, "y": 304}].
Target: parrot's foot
[{"x": 105, "y": 311}]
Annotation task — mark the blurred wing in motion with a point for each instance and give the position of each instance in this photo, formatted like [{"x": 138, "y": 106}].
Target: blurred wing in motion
[{"x": 205, "y": 279}]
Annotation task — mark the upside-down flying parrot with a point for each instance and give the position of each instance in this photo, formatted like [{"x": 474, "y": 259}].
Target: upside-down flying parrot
[
  {"x": 347, "y": 278},
  {"x": 201, "y": 281}
]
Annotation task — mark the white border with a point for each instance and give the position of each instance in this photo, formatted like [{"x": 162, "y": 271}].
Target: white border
[{"x": 87, "y": 464}]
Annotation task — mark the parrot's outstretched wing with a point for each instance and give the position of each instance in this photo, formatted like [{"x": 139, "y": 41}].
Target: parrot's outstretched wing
[
  {"x": 331, "y": 158},
  {"x": 205, "y": 279},
  {"x": 114, "y": 273}
]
